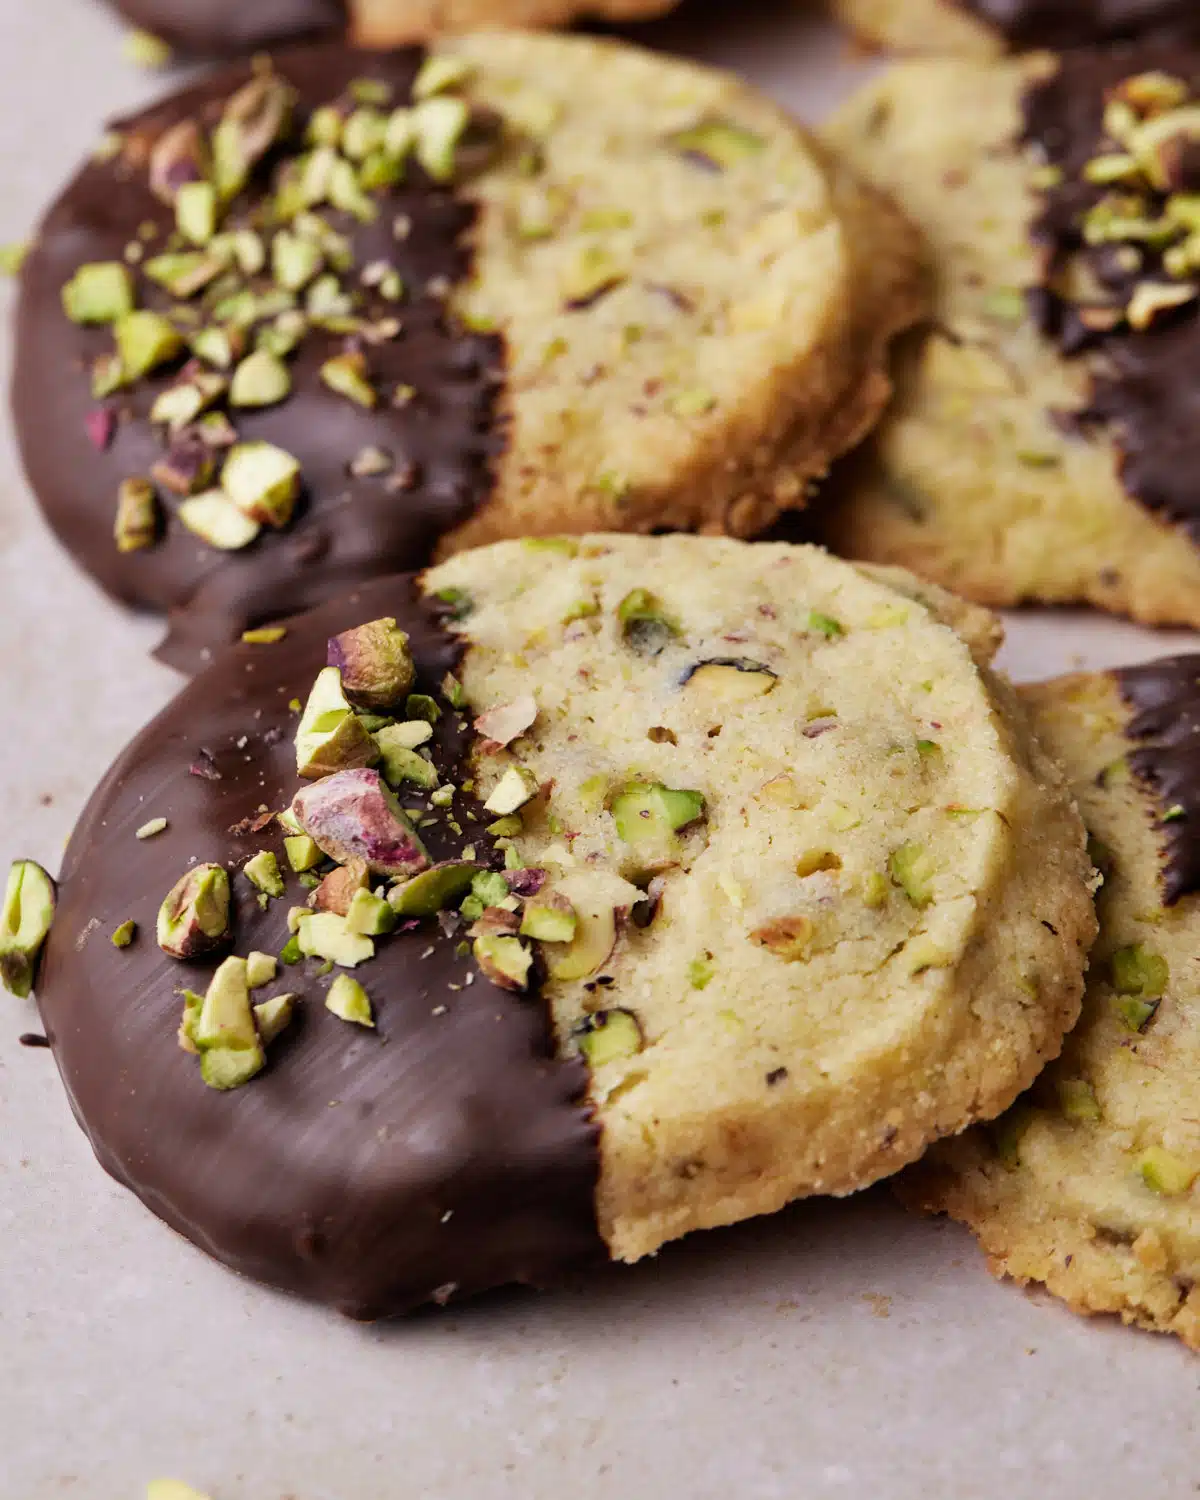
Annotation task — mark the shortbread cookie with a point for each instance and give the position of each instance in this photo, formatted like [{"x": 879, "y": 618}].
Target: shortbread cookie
[
  {"x": 1042, "y": 445},
  {"x": 667, "y": 314},
  {"x": 988, "y": 27},
  {"x": 746, "y": 829},
  {"x": 1087, "y": 1185},
  {"x": 227, "y": 27}
]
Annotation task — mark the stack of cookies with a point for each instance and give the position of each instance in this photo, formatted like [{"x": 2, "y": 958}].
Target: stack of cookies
[{"x": 615, "y": 883}]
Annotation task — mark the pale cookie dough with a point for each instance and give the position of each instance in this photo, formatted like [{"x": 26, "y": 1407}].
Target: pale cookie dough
[
  {"x": 988, "y": 27},
  {"x": 1006, "y": 468},
  {"x": 875, "y": 932},
  {"x": 1087, "y": 1185}
]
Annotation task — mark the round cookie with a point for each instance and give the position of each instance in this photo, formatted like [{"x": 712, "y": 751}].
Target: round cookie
[
  {"x": 1087, "y": 1185},
  {"x": 1041, "y": 445},
  {"x": 760, "y": 841},
  {"x": 228, "y": 27},
  {"x": 669, "y": 315},
  {"x": 988, "y": 27}
]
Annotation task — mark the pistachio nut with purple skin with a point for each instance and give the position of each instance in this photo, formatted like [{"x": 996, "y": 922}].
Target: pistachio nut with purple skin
[
  {"x": 352, "y": 815},
  {"x": 375, "y": 663}
]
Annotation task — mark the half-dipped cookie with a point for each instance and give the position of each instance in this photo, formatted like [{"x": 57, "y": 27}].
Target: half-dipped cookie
[
  {"x": 1043, "y": 444},
  {"x": 573, "y": 897},
  {"x": 305, "y": 322},
  {"x": 988, "y": 27},
  {"x": 1089, "y": 1184},
  {"x": 228, "y": 27}
]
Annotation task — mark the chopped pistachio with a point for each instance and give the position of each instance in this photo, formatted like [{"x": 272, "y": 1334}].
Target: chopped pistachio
[
  {"x": 182, "y": 402},
  {"x": 194, "y": 917},
  {"x": 273, "y": 1016},
  {"x": 183, "y": 273},
  {"x": 262, "y": 481},
  {"x": 375, "y": 663},
  {"x": 912, "y": 868},
  {"x": 645, "y": 627},
  {"x": 436, "y": 889},
  {"x": 264, "y": 635},
  {"x": 151, "y": 829},
  {"x": 717, "y": 142},
  {"x": 694, "y": 402},
  {"x": 874, "y": 890},
  {"x": 355, "y": 817},
  {"x": 549, "y": 918},
  {"x": 124, "y": 934},
  {"x": 302, "y": 852},
  {"x": 145, "y": 340},
  {"x": 730, "y": 679},
  {"x": 145, "y": 50},
  {"x": 1165, "y": 1173},
  {"x": 1139, "y": 971},
  {"x": 295, "y": 260},
  {"x": 25, "y": 920},
  {"x": 347, "y": 999},
  {"x": 261, "y": 969},
  {"x": 346, "y": 193},
  {"x": 593, "y": 272},
  {"x": 196, "y": 212},
  {"x": 329, "y": 737},
  {"x": 1151, "y": 299},
  {"x": 608, "y": 1036},
  {"x": 214, "y": 518},
  {"x": 290, "y": 952},
  {"x": 399, "y": 763},
  {"x": 12, "y": 257},
  {"x": 262, "y": 379},
  {"x": 215, "y": 346},
  {"x": 438, "y": 74},
  {"x": 348, "y": 375},
  {"x": 825, "y": 624},
  {"x": 99, "y": 292},
  {"x": 263, "y": 872},
  {"x": 515, "y": 787},
  {"x": 136, "y": 523},
  {"x": 439, "y": 125},
  {"x": 788, "y": 937},
  {"x": 1077, "y": 1099},
  {"x": 254, "y": 118},
  {"x": 700, "y": 972},
  {"x": 325, "y": 935},
  {"x": 369, "y": 915},
  {"x": 503, "y": 959}
]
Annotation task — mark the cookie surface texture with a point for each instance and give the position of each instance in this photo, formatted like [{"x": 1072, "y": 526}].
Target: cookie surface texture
[
  {"x": 988, "y": 27},
  {"x": 1038, "y": 448},
  {"x": 1086, "y": 1185},
  {"x": 799, "y": 906},
  {"x": 600, "y": 318}
]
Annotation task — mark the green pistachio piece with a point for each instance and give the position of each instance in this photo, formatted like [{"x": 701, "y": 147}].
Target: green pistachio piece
[
  {"x": 608, "y": 1036},
  {"x": 290, "y": 952},
  {"x": 400, "y": 136},
  {"x": 262, "y": 481},
  {"x": 380, "y": 170},
  {"x": 136, "y": 523},
  {"x": 1077, "y": 1100},
  {"x": 124, "y": 934},
  {"x": 593, "y": 271},
  {"x": 145, "y": 340},
  {"x": 439, "y": 74},
  {"x": 348, "y": 375},
  {"x": 262, "y": 379},
  {"x": 549, "y": 917},
  {"x": 363, "y": 133},
  {"x": 422, "y": 706},
  {"x": 346, "y": 193},
  {"x": 295, "y": 260},
  {"x": 99, "y": 292},
  {"x": 215, "y": 346},
  {"x": 273, "y": 1016},
  {"x": 718, "y": 143},
  {"x": 183, "y": 402},
  {"x": 329, "y": 736},
  {"x": 108, "y": 375},
  {"x": 409, "y": 735},
  {"x": 226, "y": 1019},
  {"x": 400, "y": 764},
  {"x": 912, "y": 868},
  {"x": 700, "y": 972},
  {"x": 874, "y": 890},
  {"x": 13, "y": 256},
  {"x": 513, "y": 790},
  {"x": 324, "y": 126},
  {"x": 282, "y": 336},
  {"x": 1139, "y": 971},
  {"x": 507, "y": 827},
  {"x": 261, "y": 969},
  {"x": 648, "y": 813},
  {"x": 347, "y": 999},
  {"x": 196, "y": 212},
  {"x": 594, "y": 940},
  {"x": 25, "y": 919},
  {"x": 436, "y": 889},
  {"x": 253, "y": 120},
  {"x": 439, "y": 125},
  {"x": 730, "y": 679},
  {"x": 490, "y": 887},
  {"x": 214, "y": 518},
  {"x": 302, "y": 852},
  {"x": 1165, "y": 1173},
  {"x": 503, "y": 959},
  {"x": 1135, "y": 1014},
  {"x": 369, "y": 915},
  {"x": 325, "y": 935},
  {"x": 375, "y": 662},
  {"x": 184, "y": 273},
  {"x": 194, "y": 917},
  {"x": 825, "y": 625},
  {"x": 263, "y": 873},
  {"x": 230, "y": 1067},
  {"x": 788, "y": 937},
  {"x": 645, "y": 626}
]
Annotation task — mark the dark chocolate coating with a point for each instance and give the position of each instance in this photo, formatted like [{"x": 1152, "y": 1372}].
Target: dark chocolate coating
[
  {"x": 1083, "y": 23},
  {"x": 1147, "y": 389},
  {"x": 436, "y": 1156},
  {"x": 1165, "y": 699},
  {"x": 224, "y": 28},
  {"x": 347, "y": 529}
]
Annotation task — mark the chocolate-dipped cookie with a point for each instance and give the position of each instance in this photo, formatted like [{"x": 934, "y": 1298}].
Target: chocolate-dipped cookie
[
  {"x": 1089, "y": 1184},
  {"x": 988, "y": 27},
  {"x": 1043, "y": 443},
  {"x": 229, "y": 27},
  {"x": 511, "y": 285},
  {"x": 625, "y": 897}
]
